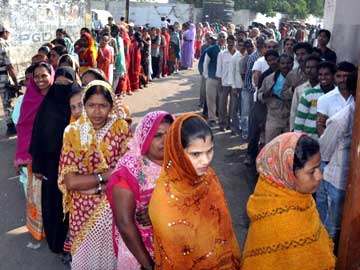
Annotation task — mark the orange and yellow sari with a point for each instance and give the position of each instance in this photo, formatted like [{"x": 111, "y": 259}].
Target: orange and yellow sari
[
  {"x": 285, "y": 230},
  {"x": 191, "y": 221}
]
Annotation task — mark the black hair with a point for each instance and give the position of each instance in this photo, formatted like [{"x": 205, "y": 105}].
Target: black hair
[
  {"x": 329, "y": 65},
  {"x": 316, "y": 51},
  {"x": 171, "y": 28},
  {"x": 110, "y": 18},
  {"x": 168, "y": 119},
  {"x": 114, "y": 29},
  {"x": 312, "y": 57},
  {"x": 75, "y": 92},
  {"x": 87, "y": 30},
  {"x": 96, "y": 73},
  {"x": 231, "y": 37},
  {"x": 345, "y": 66},
  {"x": 326, "y": 32},
  {"x": 271, "y": 53},
  {"x": 60, "y": 50},
  {"x": 351, "y": 83},
  {"x": 306, "y": 148},
  {"x": 289, "y": 39},
  {"x": 41, "y": 64},
  {"x": 122, "y": 18},
  {"x": 29, "y": 70},
  {"x": 286, "y": 56},
  {"x": 66, "y": 58},
  {"x": 44, "y": 49},
  {"x": 98, "y": 89},
  {"x": 59, "y": 41},
  {"x": 194, "y": 128},
  {"x": 303, "y": 45}
]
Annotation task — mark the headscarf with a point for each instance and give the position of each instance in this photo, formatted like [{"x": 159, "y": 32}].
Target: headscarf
[
  {"x": 130, "y": 167},
  {"x": 285, "y": 228},
  {"x": 52, "y": 118},
  {"x": 276, "y": 159},
  {"x": 191, "y": 222},
  {"x": 92, "y": 46},
  {"x": 29, "y": 107},
  {"x": 189, "y": 34},
  {"x": 124, "y": 35}
]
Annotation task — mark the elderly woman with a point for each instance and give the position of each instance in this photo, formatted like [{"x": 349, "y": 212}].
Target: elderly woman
[
  {"x": 285, "y": 229},
  {"x": 91, "y": 149},
  {"x": 130, "y": 188},
  {"x": 191, "y": 221}
]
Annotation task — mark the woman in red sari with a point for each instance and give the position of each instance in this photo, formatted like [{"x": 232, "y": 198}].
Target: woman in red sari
[
  {"x": 124, "y": 82},
  {"x": 87, "y": 53},
  {"x": 105, "y": 56},
  {"x": 198, "y": 39},
  {"x": 164, "y": 50},
  {"x": 135, "y": 61}
]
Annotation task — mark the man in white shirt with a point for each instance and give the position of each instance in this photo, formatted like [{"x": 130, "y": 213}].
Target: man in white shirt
[
  {"x": 332, "y": 102},
  {"x": 237, "y": 84},
  {"x": 225, "y": 73},
  {"x": 312, "y": 73}
]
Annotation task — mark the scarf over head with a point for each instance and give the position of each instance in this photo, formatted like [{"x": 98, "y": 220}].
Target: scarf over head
[
  {"x": 285, "y": 229},
  {"x": 191, "y": 222},
  {"x": 29, "y": 107},
  {"x": 139, "y": 172}
]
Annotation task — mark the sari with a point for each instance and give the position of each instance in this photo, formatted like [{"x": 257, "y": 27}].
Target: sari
[
  {"x": 135, "y": 65},
  {"x": 164, "y": 51},
  {"x": 285, "y": 229},
  {"x": 198, "y": 40},
  {"x": 187, "y": 50},
  {"x": 191, "y": 221},
  {"x": 46, "y": 142},
  {"x": 86, "y": 151},
  {"x": 24, "y": 126},
  {"x": 174, "y": 51},
  {"x": 88, "y": 56},
  {"x": 124, "y": 82},
  {"x": 104, "y": 60},
  {"x": 137, "y": 173}
]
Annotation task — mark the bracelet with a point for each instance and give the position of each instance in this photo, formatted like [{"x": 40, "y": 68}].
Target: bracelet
[
  {"x": 100, "y": 179},
  {"x": 99, "y": 189}
]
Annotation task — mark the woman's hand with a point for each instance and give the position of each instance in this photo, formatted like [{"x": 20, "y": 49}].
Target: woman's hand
[{"x": 142, "y": 217}]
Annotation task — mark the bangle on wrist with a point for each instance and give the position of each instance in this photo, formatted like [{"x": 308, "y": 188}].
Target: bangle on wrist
[
  {"x": 99, "y": 189},
  {"x": 100, "y": 178}
]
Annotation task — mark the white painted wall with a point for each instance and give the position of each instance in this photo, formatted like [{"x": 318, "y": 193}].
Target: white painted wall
[{"x": 342, "y": 19}]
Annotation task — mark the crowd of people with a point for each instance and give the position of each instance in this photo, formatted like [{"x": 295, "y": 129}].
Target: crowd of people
[{"x": 107, "y": 198}]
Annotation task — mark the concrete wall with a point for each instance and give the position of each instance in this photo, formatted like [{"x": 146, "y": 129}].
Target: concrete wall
[
  {"x": 115, "y": 7},
  {"x": 142, "y": 13},
  {"x": 342, "y": 19},
  {"x": 34, "y": 22}
]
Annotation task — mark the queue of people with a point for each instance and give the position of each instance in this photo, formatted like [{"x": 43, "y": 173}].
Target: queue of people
[{"x": 105, "y": 198}]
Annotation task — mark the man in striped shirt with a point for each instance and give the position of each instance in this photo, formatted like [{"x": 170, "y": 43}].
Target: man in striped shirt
[{"x": 305, "y": 120}]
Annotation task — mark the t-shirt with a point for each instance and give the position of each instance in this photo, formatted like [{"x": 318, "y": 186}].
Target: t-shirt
[
  {"x": 332, "y": 102},
  {"x": 260, "y": 65}
]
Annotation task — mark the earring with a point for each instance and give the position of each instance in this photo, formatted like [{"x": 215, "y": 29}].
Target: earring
[{"x": 168, "y": 165}]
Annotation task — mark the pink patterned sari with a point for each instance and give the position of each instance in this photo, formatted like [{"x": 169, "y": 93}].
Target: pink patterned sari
[{"x": 139, "y": 174}]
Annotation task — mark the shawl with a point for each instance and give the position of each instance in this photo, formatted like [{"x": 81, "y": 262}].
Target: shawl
[
  {"x": 89, "y": 54},
  {"x": 51, "y": 119},
  {"x": 130, "y": 167},
  {"x": 29, "y": 107},
  {"x": 191, "y": 221},
  {"x": 120, "y": 64},
  {"x": 285, "y": 229}
]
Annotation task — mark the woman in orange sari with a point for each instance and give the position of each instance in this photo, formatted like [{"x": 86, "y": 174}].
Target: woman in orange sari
[
  {"x": 191, "y": 221},
  {"x": 87, "y": 53},
  {"x": 135, "y": 61},
  {"x": 285, "y": 229}
]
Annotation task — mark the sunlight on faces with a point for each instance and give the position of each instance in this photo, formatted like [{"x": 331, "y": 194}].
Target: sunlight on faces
[
  {"x": 42, "y": 78},
  {"x": 97, "y": 109},
  {"x": 156, "y": 149},
  {"x": 200, "y": 152},
  {"x": 309, "y": 177}
]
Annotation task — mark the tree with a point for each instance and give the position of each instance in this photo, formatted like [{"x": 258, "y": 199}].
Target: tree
[{"x": 299, "y": 9}]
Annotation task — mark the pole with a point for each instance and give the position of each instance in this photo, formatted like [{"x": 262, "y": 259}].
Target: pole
[
  {"x": 349, "y": 246},
  {"x": 127, "y": 7}
]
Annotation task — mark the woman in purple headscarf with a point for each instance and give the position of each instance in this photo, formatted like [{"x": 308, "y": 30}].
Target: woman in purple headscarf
[{"x": 187, "y": 50}]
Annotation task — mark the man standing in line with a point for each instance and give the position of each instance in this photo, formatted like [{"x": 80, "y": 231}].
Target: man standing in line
[
  {"x": 225, "y": 73},
  {"x": 209, "y": 73},
  {"x": 6, "y": 70}
]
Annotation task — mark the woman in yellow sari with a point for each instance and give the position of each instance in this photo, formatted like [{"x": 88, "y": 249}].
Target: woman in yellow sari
[
  {"x": 191, "y": 222},
  {"x": 285, "y": 230},
  {"x": 91, "y": 149}
]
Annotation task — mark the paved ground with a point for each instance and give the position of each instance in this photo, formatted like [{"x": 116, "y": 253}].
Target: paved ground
[{"x": 176, "y": 94}]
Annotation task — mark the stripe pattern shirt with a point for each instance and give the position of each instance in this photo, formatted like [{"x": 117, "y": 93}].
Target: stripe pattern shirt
[{"x": 305, "y": 119}]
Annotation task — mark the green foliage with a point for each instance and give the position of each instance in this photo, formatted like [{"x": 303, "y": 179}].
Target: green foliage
[{"x": 299, "y": 9}]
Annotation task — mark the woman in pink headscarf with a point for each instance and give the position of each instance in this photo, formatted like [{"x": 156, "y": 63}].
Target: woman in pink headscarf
[
  {"x": 129, "y": 191},
  {"x": 187, "y": 50},
  {"x": 42, "y": 79}
]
